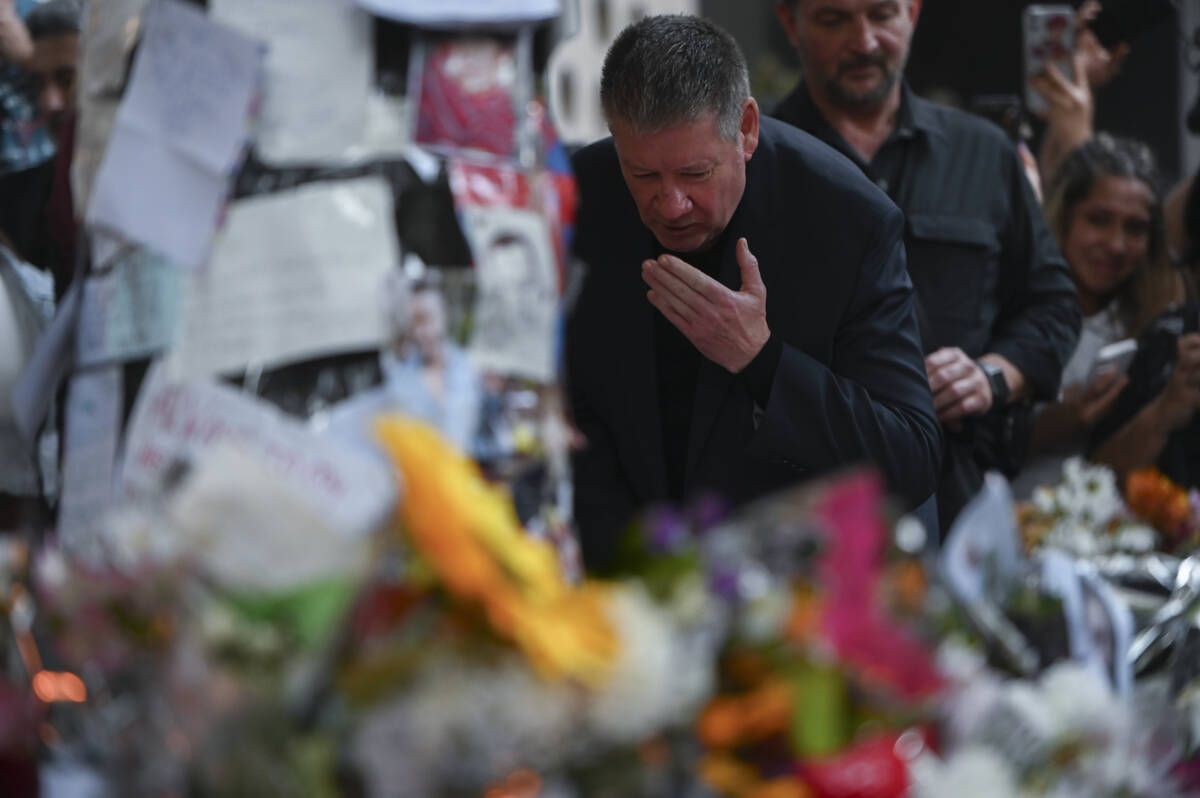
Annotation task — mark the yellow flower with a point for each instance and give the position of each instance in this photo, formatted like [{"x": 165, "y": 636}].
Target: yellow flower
[{"x": 469, "y": 533}]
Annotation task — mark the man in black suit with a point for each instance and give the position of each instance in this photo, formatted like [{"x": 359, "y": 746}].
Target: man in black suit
[{"x": 747, "y": 319}]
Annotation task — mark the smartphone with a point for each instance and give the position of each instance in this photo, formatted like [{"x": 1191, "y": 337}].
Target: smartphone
[
  {"x": 1048, "y": 38},
  {"x": 1115, "y": 357},
  {"x": 1124, "y": 20}
]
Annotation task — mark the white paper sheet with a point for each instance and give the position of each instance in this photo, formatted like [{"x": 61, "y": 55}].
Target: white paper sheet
[
  {"x": 455, "y": 13},
  {"x": 93, "y": 419},
  {"x": 193, "y": 82},
  {"x": 50, "y": 361},
  {"x": 516, "y": 308},
  {"x": 178, "y": 422},
  {"x": 131, "y": 311},
  {"x": 179, "y": 132},
  {"x": 294, "y": 274},
  {"x": 983, "y": 554},
  {"x": 319, "y": 69}
]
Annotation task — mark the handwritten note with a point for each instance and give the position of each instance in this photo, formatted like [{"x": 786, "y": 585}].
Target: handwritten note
[
  {"x": 131, "y": 311},
  {"x": 517, "y": 305},
  {"x": 178, "y": 133},
  {"x": 176, "y": 423},
  {"x": 319, "y": 70},
  {"x": 293, "y": 275},
  {"x": 93, "y": 422},
  {"x": 454, "y": 13}
]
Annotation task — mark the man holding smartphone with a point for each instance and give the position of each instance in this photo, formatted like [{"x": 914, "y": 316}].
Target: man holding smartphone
[{"x": 998, "y": 311}]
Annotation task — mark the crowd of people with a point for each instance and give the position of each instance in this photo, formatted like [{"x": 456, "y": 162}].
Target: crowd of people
[
  {"x": 856, "y": 275},
  {"x": 1018, "y": 270}
]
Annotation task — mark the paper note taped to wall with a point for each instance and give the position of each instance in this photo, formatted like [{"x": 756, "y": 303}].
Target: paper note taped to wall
[
  {"x": 294, "y": 274},
  {"x": 179, "y": 132},
  {"x": 175, "y": 423},
  {"x": 130, "y": 311},
  {"x": 319, "y": 69},
  {"x": 93, "y": 424},
  {"x": 517, "y": 302}
]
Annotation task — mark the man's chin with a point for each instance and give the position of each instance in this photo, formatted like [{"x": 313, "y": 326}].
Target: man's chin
[{"x": 683, "y": 242}]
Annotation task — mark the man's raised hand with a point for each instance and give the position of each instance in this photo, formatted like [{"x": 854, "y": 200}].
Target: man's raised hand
[{"x": 727, "y": 327}]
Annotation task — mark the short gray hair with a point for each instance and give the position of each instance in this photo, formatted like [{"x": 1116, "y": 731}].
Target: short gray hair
[{"x": 673, "y": 69}]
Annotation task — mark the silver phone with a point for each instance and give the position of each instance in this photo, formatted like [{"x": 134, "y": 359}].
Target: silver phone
[{"x": 1048, "y": 38}]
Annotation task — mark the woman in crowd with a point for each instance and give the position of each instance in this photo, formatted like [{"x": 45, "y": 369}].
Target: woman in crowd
[{"x": 1103, "y": 206}]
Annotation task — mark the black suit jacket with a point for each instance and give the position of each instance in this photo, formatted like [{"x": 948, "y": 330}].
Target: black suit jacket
[{"x": 850, "y": 387}]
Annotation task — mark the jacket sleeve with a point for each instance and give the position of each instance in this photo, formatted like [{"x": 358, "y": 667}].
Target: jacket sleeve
[
  {"x": 1039, "y": 319},
  {"x": 872, "y": 405}
]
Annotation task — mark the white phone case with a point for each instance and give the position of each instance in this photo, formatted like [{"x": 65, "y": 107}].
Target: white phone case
[{"x": 1048, "y": 36}]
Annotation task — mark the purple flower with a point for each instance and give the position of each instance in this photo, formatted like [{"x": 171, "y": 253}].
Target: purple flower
[
  {"x": 707, "y": 511},
  {"x": 724, "y": 581},
  {"x": 667, "y": 529}
]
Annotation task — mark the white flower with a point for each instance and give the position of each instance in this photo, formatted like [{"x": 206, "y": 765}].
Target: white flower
[
  {"x": 1044, "y": 499},
  {"x": 974, "y": 771},
  {"x": 1079, "y": 700},
  {"x": 1137, "y": 538},
  {"x": 1088, "y": 493},
  {"x": 657, "y": 681}
]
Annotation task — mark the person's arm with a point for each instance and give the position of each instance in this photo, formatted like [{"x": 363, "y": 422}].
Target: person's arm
[
  {"x": 1081, "y": 407},
  {"x": 15, "y": 44},
  {"x": 874, "y": 405},
  {"x": 1039, "y": 320},
  {"x": 1139, "y": 442},
  {"x": 1069, "y": 119}
]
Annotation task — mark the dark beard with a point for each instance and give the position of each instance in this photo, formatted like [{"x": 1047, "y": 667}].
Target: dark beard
[{"x": 864, "y": 101}]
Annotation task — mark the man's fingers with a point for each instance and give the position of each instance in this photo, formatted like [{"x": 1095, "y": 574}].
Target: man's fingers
[
  {"x": 748, "y": 265},
  {"x": 689, "y": 276},
  {"x": 671, "y": 307},
  {"x": 667, "y": 284}
]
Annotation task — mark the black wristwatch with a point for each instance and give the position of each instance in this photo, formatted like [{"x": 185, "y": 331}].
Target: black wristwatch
[{"x": 995, "y": 377}]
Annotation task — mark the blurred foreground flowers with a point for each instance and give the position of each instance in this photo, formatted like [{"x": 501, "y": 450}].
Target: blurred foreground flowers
[{"x": 802, "y": 647}]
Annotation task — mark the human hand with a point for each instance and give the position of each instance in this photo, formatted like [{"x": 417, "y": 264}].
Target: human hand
[
  {"x": 727, "y": 327},
  {"x": 1098, "y": 64},
  {"x": 959, "y": 386},
  {"x": 1180, "y": 399},
  {"x": 1089, "y": 403},
  {"x": 1068, "y": 100}
]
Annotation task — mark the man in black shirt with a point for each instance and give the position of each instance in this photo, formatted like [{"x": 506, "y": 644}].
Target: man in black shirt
[
  {"x": 998, "y": 311},
  {"x": 747, "y": 320}
]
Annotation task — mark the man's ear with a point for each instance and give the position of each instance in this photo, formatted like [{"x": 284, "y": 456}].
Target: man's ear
[
  {"x": 786, "y": 11},
  {"x": 749, "y": 127}
]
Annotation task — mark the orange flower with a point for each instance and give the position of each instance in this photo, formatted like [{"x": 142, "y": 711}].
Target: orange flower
[
  {"x": 782, "y": 787},
  {"x": 1157, "y": 499},
  {"x": 469, "y": 533},
  {"x": 732, "y": 720}
]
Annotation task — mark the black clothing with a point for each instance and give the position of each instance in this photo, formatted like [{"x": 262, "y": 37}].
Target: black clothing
[
  {"x": 983, "y": 261},
  {"x": 847, "y": 383},
  {"x": 1148, "y": 375},
  {"x": 678, "y": 364}
]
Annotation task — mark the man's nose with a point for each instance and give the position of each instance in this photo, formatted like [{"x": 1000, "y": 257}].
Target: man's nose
[
  {"x": 865, "y": 40},
  {"x": 673, "y": 202}
]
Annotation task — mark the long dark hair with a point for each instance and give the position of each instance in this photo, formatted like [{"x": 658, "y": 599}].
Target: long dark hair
[{"x": 1154, "y": 284}]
